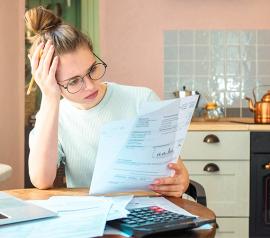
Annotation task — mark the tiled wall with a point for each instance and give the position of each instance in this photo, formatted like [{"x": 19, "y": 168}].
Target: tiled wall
[{"x": 224, "y": 66}]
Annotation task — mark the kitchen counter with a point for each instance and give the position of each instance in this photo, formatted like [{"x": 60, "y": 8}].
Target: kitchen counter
[{"x": 227, "y": 124}]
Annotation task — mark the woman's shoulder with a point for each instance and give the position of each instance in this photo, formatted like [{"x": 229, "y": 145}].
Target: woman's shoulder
[{"x": 137, "y": 92}]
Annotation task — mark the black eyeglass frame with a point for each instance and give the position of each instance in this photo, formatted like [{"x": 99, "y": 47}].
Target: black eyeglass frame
[{"x": 88, "y": 73}]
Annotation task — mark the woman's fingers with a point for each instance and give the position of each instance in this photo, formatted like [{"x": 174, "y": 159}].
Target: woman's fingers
[
  {"x": 47, "y": 61},
  {"x": 44, "y": 53},
  {"x": 167, "y": 188},
  {"x": 168, "y": 180},
  {"x": 176, "y": 167},
  {"x": 44, "y": 69},
  {"x": 35, "y": 57},
  {"x": 53, "y": 67},
  {"x": 170, "y": 194}
]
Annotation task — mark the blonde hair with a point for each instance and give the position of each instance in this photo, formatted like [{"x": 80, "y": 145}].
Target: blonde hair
[{"x": 44, "y": 25}]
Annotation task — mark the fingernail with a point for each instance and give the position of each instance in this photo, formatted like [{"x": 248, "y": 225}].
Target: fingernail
[
  {"x": 170, "y": 165},
  {"x": 156, "y": 182}
]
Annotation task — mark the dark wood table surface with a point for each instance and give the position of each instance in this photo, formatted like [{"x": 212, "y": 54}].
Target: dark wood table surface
[{"x": 190, "y": 206}]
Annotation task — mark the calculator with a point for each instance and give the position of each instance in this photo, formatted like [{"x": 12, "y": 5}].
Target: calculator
[{"x": 145, "y": 221}]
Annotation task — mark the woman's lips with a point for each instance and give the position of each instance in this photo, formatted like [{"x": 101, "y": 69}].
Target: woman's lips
[{"x": 92, "y": 95}]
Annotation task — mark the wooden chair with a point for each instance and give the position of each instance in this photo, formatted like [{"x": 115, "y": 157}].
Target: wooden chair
[{"x": 197, "y": 192}]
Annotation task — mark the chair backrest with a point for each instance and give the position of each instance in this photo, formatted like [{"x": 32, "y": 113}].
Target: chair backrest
[{"x": 197, "y": 192}]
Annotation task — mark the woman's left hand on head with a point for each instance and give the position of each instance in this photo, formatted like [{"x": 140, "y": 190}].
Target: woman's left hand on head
[{"x": 175, "y": 185}]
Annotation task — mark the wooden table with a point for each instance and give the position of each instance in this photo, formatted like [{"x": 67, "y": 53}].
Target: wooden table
[{"x": 190, "y": 206}]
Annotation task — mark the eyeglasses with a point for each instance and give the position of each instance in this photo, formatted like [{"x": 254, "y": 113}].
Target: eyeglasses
[{"x": 95, "y": 73}]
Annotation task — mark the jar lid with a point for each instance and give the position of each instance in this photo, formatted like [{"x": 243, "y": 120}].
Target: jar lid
[{"x": 210, "y": 106}]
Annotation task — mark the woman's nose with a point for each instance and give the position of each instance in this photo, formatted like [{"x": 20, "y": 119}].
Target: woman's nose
[{"x": 89, "y": 83}]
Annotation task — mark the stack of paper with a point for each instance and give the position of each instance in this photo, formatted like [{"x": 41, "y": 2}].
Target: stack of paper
[
  {"x": 78, "y": 216},
  {"x": 83, "y": 216}
]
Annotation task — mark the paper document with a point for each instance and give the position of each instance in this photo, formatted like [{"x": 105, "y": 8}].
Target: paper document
[
  {"x": 133, "y": 153},
  {"x": 75, "y": 203},
  {"x": 87, "y": 221},
  {"x": 139, "y": 202},
  {"x": 118, "y": 208}
]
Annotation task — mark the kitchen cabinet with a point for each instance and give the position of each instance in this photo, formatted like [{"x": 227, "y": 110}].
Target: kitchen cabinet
[
  {"x": 259, "y": 226},
  {"x": 219, "y": 160}
]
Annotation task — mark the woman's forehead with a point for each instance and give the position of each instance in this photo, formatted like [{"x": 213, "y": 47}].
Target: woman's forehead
[{"x": 74, "y": 63}]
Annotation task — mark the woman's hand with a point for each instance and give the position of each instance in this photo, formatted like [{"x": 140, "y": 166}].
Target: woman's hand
[
  {"x": 175, "y": 185},
  {"x": 44, "y": 69}
]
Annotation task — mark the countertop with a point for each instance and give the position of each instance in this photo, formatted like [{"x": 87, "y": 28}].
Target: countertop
[{"x": 227, "y": 124}]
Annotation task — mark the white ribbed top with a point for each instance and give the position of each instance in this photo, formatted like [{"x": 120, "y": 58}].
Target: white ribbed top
[{"x": 79, "y": 129}]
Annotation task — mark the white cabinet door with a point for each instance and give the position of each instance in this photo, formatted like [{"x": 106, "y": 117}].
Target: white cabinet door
[
  {"x": 227, "y": 191},
  {"x": 232, "y": 228}
]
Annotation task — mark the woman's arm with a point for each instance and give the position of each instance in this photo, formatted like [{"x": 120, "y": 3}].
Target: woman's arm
[{"x": 43, "y": 146}]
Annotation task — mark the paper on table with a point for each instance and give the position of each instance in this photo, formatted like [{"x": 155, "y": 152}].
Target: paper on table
[
  {"x": 89, "y": 222},
  {"x": 138, "y": 202},
  {"x": 118, "y": 208},
  {"x": 140, "y": 149},
  {"x": 112, "y": 231},
  {"x": 69, "y": 203}
]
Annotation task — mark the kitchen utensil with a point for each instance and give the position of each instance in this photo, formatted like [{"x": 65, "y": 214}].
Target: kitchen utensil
[
  {"x": 185, "y": 93},
  {"x": 261, "y": 109}
]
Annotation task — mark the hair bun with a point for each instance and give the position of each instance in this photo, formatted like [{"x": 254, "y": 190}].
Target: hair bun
[{"x": 40, "y": 20}]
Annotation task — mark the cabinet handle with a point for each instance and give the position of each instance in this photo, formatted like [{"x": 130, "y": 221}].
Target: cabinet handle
[
  {"x": 210, "y": 139},
  {"x": 211, "y": 167}
]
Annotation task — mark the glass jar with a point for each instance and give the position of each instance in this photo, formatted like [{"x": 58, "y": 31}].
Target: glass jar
[{"x": 212, "y": 112}]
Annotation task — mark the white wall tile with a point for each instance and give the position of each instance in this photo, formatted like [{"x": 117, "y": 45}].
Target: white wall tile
[{"x": 224, "y": 65}]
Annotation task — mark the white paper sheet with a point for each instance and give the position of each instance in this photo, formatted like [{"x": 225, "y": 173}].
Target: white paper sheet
[
  {"x": 69, "y": 203},
  {"x": 118, "y": 208},
  {"x": 133, "y": 153},
  {"x": 112, "y": 231},
  {"x": 88, "y": 222},
  {"x": 139, "y": 202}
]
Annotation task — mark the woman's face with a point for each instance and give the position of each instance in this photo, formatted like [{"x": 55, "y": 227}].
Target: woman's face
[{"x": 74, "y": 64}]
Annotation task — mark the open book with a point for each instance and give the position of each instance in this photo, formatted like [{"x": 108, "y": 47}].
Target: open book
[{"x": 133, "y": 153}]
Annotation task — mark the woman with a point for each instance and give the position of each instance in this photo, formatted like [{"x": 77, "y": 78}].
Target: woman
[{"x": 68, "y": 130}]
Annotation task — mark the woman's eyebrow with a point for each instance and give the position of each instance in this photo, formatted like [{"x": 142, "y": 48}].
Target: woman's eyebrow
[{"x": 80, "y": 75}]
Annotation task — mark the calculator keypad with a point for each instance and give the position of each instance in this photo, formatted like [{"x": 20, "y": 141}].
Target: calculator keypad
[{"x": 152, "y": 215}]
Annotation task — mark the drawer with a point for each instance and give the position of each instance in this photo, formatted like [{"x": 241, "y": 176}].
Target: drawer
[
  {"x": 231, "y": 145},
  {"x": 227, "y": 190},
  {"x": 232, "y": 228}
]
